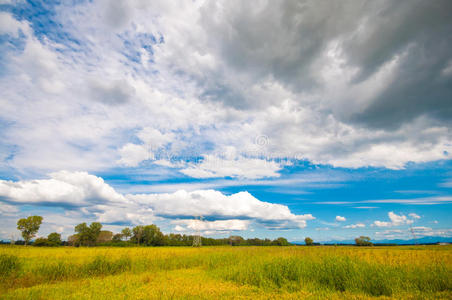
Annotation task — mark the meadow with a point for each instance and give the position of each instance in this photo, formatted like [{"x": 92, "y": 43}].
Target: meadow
[{"x": 224, "y": 272}]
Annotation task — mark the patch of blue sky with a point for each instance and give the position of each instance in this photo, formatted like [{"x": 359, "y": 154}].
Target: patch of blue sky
[
  {"x": 43, "y": 19},
  {"x": 350, "y": 188}
]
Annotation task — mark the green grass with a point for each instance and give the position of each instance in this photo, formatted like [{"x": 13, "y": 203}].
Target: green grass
[
  {"x": 8, "y": 265},
  {"x": 344, "y": 272}
]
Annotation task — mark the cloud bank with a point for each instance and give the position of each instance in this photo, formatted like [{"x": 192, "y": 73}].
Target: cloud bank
[{"x": 91, "y": 196}]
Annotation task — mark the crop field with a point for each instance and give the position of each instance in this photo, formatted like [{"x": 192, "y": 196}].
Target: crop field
[{"x": 408, "y": 272}]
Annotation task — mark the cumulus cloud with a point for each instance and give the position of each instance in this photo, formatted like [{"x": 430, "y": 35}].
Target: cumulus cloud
[
  {"x": 396, "y": 220},
  {"x": 219, "y": 225},
  {"x": 211, "y": 203},
  {"x": 90, "y": 195},
  {"x": 132, "y": 155},
  {"x": 62, "y": 189},
  {"x": 340, "y": 219}
]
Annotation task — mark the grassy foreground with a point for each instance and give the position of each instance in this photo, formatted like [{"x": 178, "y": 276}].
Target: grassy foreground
[{"x": 421, "y": 272}]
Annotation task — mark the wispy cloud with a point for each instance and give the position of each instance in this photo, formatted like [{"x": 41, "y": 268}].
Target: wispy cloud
[
  {"x": 357, "y": 225},
  {"x": 407, "y": 201}
]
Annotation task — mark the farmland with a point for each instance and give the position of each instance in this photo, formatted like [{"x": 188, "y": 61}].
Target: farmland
[{"x": 417, "y": 272}]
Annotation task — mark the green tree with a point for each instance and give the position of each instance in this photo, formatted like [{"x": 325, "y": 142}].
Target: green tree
[
  {"x": 149, "y": 235},
  {"x": 308, "y": 241},
  {"x": 137, "y": 236},
  {"x": 29, "y": 227},
  {"x": 127, "y": 233},
  {"x": 152, "y": 236},
  {"x": 41, "y": 242},
  {"x": 73, "y": 240},
  {"x": 83, "y": 235},
  {"x": 87, "y": 236},
  {"x": 280, "y": 242},
  {"x": 117, "y": 237},
  {"x": 95, "y": 229},
  {"x": 363, "y": 241},
  {"x": 54, "y": 238}
]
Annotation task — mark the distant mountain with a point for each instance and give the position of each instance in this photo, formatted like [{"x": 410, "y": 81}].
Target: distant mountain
[{"x": 424, "y": 240}]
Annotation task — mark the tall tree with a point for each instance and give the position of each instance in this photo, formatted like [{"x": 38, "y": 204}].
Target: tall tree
[
  {"x": 82, "y": 234},
  {"x": 152, "y": 236},
  {"x": 127, "y": 233},
  {"x": 308, "y": 241},
  {"x": 95, "y": 229},
  {"x": 54, "y": 238},
  {"x": 149, "y": 235},
  {"x": 29, "y": 227},
  {"x": 138, "y": 234},
  {"x": 363, "y": 241},
  {"x": 87, "y": 236}
]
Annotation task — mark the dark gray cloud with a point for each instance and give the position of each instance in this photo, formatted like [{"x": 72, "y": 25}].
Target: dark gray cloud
[
  {"x": 285, "y": 41},
  {"x": 419, "y": 32}
]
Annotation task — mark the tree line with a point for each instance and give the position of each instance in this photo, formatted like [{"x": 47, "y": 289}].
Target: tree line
[{"x": 141, "y": 235}]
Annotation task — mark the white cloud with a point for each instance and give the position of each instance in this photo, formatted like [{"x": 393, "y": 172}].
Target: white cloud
[
  {"x": 414, "y": 216},
  {"x": 63, "y": 188},
  {"x": 427, "y": 231},
  {"x": 340, "y": 219},
  {"x": 446, "y": 183},
  {"x": 357, "y": 225},
  {"x": 420, "y": 232},
  {"x": 9, "y": 25},
  {"x": 214, "y": 166},
  {"x": 216, "y": 204},
  {"x": 8, "y": 210},
  {"x": 219, "y": 225},
  {"x": 90, "y": 195},
  {"x": 179, "y": 228},
  {"x": 161, "y": 73},
  {"x": 382, "y": 224},
  {"x": 132, "y": 155},
  {"x": 408, "y": 201},
  {"x": 396, "y": 220}
]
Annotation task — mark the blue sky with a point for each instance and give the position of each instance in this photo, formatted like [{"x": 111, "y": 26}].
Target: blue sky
[{"x": 328, "y": 120}]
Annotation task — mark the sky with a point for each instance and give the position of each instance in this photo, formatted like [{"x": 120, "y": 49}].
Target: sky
[{"x": 327, "y": 119}]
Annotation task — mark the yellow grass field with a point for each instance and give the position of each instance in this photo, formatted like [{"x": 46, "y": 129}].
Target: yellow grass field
[{"x": 408, "y": 272}]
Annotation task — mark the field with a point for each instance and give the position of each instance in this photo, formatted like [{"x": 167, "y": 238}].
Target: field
[{"x": 421, "y": 272}]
